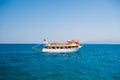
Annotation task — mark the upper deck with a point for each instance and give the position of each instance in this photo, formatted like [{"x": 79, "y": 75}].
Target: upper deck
[{"x": 69, "y": 44}]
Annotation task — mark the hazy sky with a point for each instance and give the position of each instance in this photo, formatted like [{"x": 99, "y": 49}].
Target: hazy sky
[{"x": 30, "y": 21}]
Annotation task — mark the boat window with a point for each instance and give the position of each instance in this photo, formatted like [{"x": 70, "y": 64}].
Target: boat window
[
  {"x": 53, "y": 47},
  {"x": 57, "y": 47},
  {"x": 61, "y": 47},
  {"x": 48, "y": 47},
  {"x": 66, "y": 47},
  {"x": 69, "y": 46}
]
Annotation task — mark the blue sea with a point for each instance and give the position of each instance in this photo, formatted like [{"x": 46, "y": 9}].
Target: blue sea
[{"x": 91, "y": 62}]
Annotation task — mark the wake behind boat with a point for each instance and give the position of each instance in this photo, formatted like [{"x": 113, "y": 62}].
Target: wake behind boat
[{"x": 70, "y": 46}]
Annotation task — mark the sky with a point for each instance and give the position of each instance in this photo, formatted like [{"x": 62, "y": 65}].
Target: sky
[{"x": 31, "y": 21}]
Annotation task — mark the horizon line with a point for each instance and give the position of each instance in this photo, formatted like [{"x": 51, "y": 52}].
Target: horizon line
[{"x": 42, "y": 43}]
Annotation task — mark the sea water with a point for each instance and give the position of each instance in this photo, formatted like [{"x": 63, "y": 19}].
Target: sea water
[{"x": 91, "y": 62}]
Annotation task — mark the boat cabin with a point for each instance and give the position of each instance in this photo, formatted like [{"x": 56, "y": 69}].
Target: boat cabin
[{"x": 68, "y": 45}]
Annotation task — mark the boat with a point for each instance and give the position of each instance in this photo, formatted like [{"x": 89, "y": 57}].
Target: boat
[{"x": 70, "y": 46}]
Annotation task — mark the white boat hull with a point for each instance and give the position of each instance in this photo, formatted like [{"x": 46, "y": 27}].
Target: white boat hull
[{"x": 60, "y": 50}]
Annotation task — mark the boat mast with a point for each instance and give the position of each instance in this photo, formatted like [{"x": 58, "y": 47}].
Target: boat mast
[{"x": 45, "y": 41}]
